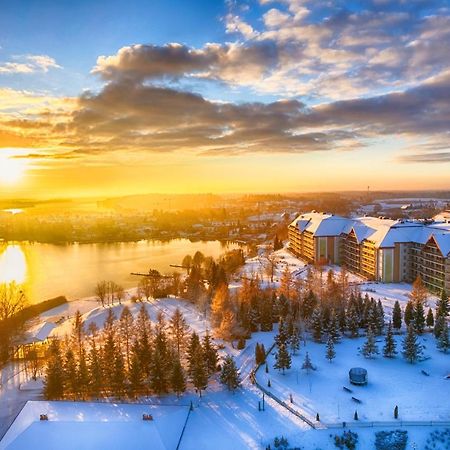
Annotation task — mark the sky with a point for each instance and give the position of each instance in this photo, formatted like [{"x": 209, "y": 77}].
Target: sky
[{"x": 102, "y": 98}]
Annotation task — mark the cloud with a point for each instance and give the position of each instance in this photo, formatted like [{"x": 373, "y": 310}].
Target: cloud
[{"x": 29, "y": 64}]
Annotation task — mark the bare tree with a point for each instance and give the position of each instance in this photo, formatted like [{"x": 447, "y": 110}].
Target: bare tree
[
  {"x": 12, "y": 300},
  {"x": 101, "y": 292}
]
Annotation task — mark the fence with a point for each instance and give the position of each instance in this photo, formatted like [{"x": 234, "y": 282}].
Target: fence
[
  {"x": 396, "y": 423},
  {"x": 274, "y": 397}
]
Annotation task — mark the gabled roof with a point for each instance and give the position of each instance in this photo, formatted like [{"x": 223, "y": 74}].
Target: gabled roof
[{"x": 39, "y": 333}]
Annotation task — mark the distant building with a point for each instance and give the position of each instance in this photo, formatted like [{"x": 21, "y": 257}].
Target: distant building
[{"x": 377, "y": 248}]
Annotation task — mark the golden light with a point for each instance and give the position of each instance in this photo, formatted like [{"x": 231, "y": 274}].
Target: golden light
[
  {"x": 11, "y": 169},
  {"x": 13, "y": 264}
]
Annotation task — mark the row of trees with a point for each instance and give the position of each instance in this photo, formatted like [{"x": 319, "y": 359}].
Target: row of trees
[{"x": 129, "y": 357}]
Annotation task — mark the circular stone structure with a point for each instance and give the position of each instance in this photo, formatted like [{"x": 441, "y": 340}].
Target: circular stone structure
[{"x": 358, "y": 375}]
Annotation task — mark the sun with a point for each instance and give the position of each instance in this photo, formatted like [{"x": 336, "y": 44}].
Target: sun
[{"x": 11, "y": 169}]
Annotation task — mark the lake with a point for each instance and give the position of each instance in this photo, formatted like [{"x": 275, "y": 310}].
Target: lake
[{"x": 73, "y": 270}]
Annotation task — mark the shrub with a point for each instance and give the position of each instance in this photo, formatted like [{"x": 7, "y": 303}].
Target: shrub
[
  {"x": 347, "y": 440},
  {"x": 241, "y": 343},
  {"x": 391, "y": 440}
]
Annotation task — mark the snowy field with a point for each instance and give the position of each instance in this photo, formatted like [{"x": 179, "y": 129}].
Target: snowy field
[
  {"x": 89, "y": 426},
  {"x": 391, "y": 382}
]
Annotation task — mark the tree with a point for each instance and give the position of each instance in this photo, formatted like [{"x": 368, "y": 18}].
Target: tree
[
  {"x": 443, "y": 305},
  {"x": 101, "y": 292},
  {"x": 316, "y": 324},
  {"x": 145, "y": 288},
  {"x": 177, "y": 377},
  {"x": 439, "y": 326},
  {"x": 409, "y": 313},
  {"x": 330, "y": 353},
  {"x": 199, "y": 373},
  {"x": 135, "y": 373},
  {"x": 389, "y": 349},
  {"x": 220, "y": 305},
  {"x": 282, "y": 358},
  {"x": 260, "y": 354},
  {"x": 419, "y": 317},
  {"x": 209, "y": 353},
  {"x": 370, "y": 348},
  {"x": 178, "y": 330},
  {"x": 430, "y": 318},
  {"x": 397, "y": 316},
  {"x": 295, "y": 340},
  {"x": 230, "y": 375},
  {"x": 54, "y": 376},
  {"x": 126, "y": 331},
  {"x": 70, "y": 372},
  {"x": 118, "y": 374},
  {"x": 95, "y": 370},
  {"x": 270, "y": 264},
  {"x": 353, "y": 321},
  {"x": 412, "y": 350},
  {"x": 443, "y": 343},
  {"x": 419, "y": 292},
  {"x": 307, "y": 364}
]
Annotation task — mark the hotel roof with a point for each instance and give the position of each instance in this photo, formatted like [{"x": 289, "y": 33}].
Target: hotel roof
[{"x": 383, "y": 232}]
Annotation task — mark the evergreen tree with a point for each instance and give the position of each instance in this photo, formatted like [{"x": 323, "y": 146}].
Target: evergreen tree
[
  {"x": 177, "y": 378},
  {"x": 330, "y": 353},
  {"x": 370, "y": 348},
  {"x": 282, "y": 358},
  {"x": 178, "y": 330},
  {"x": 412, "y": 350},
  {"x": 307, "y": 364},
  {"x": 160, "y": 362},
  {"x": 438, "y": 326},
  {"x": 95, "y": 370},
  {"x": 389, "y": 349},
  {"x": 135, "y": 372},
  {"x": 409, "y": 313},
  {"x": 430, "y": 318},
  {"x": 397, "y": 316},
  {"x": 210, "y": 353},
  {"x": 443, "y": 343},
  {"x": 316, "y": 325},
  {"x": 70, "y": 372},
  {"x": 443, "y": 305},
  {"x": 309, "y": 304},
  {"x": 380, "y": 317},
  {"x": 295, "y": 341},
  {"x": 282, "y": 336},
  {"x": 126, "y": 332},
  {"x": 260, "y": 354},
  {"x": 54, "y": 375},
  {"x": 419, "y": 317},
  {"x": 82, "y": 374},
  {"x": 193, "y": 349},
  {"x": 333, "y": 327},
  {"x": 353, "y": 321},
  {"x": 198, "y": 371},
  {"x": 230, "y": 375},
  {"x": 118, "y": 375}
]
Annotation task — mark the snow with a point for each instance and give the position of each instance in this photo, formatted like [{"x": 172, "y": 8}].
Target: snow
[
  {"x": 391, "y": 382},
  {"x": 75, "y": 425}
]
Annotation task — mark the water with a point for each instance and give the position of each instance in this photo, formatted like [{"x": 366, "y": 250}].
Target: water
[{"x": 48, "y": 270}]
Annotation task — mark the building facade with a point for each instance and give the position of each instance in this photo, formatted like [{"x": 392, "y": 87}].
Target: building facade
[{"x": 376, "y": 248}]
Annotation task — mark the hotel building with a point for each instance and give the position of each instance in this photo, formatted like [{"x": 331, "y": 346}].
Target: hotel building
[{"x": 376, "y": 248}]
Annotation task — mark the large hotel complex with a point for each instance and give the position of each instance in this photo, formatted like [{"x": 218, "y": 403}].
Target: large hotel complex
[{"x": 375, "y": 247}]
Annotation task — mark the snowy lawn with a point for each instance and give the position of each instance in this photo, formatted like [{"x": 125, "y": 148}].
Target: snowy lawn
[
  {"x": 391, "y": 382},
  {"x": 79, "y": 425}
]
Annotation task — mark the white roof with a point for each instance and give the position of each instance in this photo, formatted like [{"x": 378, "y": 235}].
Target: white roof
[{"x": 384, "y": 233}]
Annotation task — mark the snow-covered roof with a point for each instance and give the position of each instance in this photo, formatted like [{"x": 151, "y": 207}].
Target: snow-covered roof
[{"x": 383, "y": 232}]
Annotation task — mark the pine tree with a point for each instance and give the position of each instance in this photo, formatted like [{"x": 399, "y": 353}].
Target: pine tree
[
  {"x": 135, "y": 373},
  {"x": 316, "y": 324},
  {"x": 333, "y": 327},
  {"x": 198, "y": 371},
  {"x": 438, "y": 326},
  {"x": 118, "y": 375},
  {"x": 419, "y": 317},
  {"x": 443, "y": 343},
  {"x": 95, "y": 370},
  {"x": 443, "y": 305},
  {"x": 370, "y": 348},
  {"x": 412, "y": 350},
  {"x": 352, "y": 321},
  {"x": 282, "y": 358},
  {"x": 178, "y": 330},
  {"x": 126, "y": 332},
  {"x": 194, "y": 347},
  {"x": 397, "y": 316},
  {"x": 177, "y": 378},
  {"x": 380, "y": 317},
  {"x": 210, "y": 353},
  {"x": 70, "y": 372},
  {"x": 230, "y": 375},
  {"x": 160, "y": 362},
  {"x": 295, "y": 341},
  {"x": 389, "y": 349},
  {"x": 430, "y": 318},
  {"x": 409, "y": 313},
  {"x": 82, "y": 374},
  {"x": 330, "y": 353},
  {"x": 54, "y": 375},
  {"x": 307, "y": 364}
]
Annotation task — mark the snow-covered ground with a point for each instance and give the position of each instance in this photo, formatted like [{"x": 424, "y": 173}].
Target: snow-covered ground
[{"x": 391, "y": 382}]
